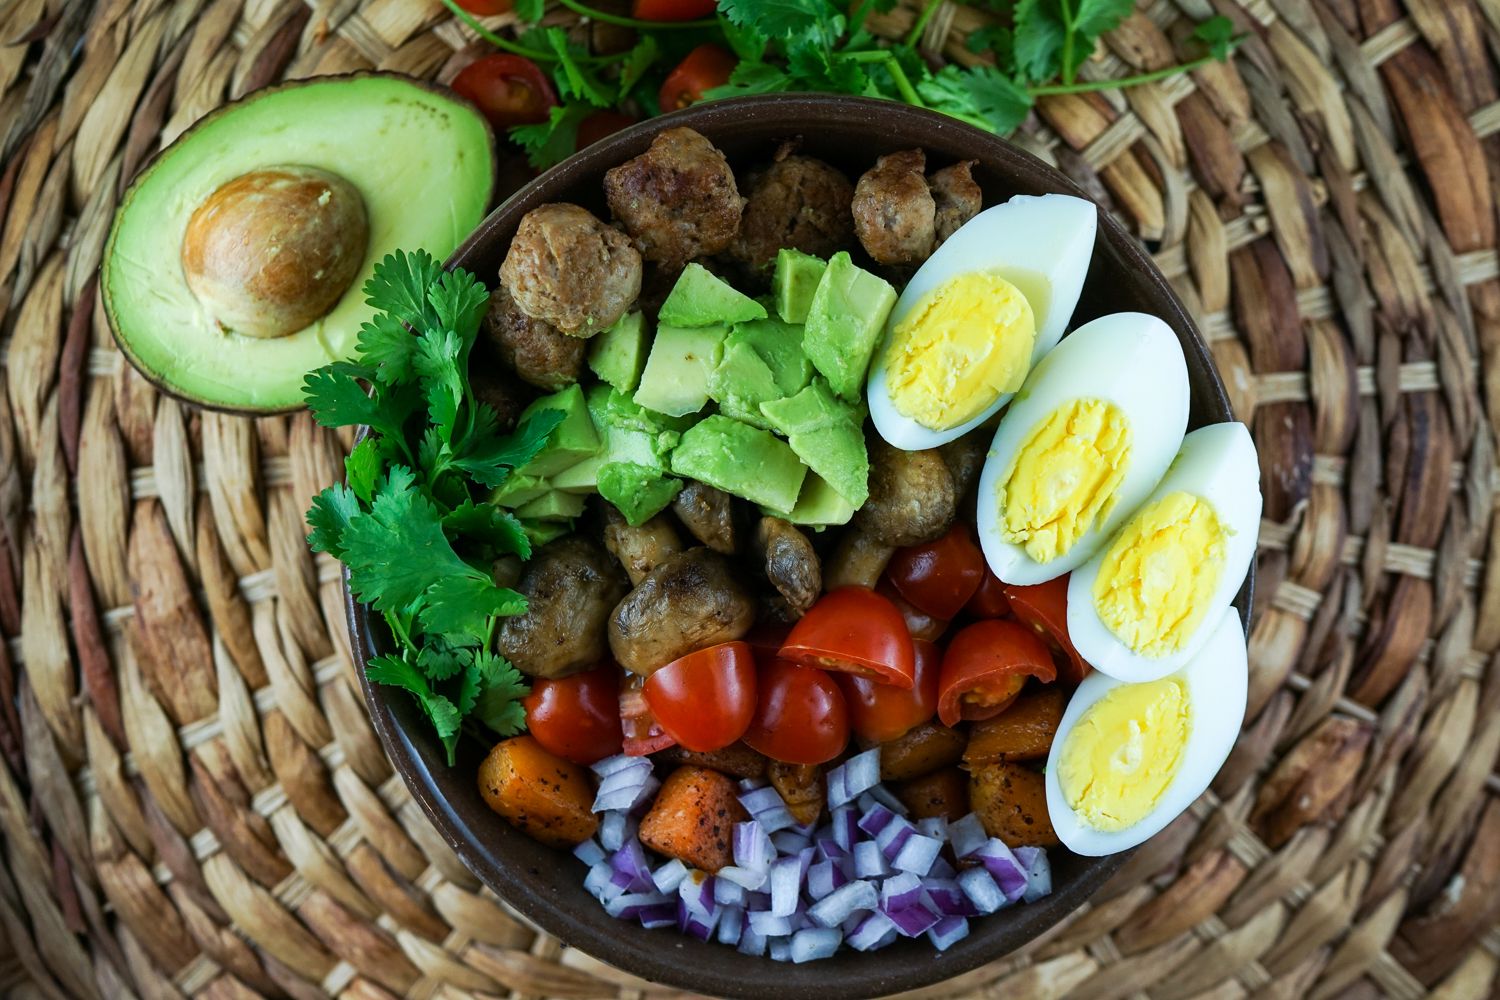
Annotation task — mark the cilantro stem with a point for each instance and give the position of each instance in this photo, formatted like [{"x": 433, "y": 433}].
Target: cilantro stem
[
  {"x": 1121, "y": 82},
  {"x": 903, "y": 83},
  {"x": 506, "y": 45},
  {"x": 1069, "y": 70},
  {"x": 915, "y": 35},
  {"x": 633, "y": 22}
]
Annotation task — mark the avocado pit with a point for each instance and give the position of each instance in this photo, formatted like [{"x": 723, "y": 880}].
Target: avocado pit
[{"x": 274, "y": 249}]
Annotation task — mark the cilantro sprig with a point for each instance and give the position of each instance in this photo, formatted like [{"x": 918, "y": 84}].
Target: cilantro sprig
[{"x": 410, "y": 521}]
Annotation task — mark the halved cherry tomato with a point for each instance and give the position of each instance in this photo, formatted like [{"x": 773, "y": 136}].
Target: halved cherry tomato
[
  {"x": 578, "y": 717},
  {"x": 672, "y": 10},
  {"x": 486, "y": 8},
  {"x": 800, "y": 717},
  {"x": 857, "y": 631},
  {"x": 880, "y": 712},
  {"x": 643, "y": 734},
  {"x": 1044, "y": 608},
  {"x": 510, "y": 90},
  {"x": 600, "y": 124},
  {"x": 939, "y": 577},
  {"x": 705, "y": 67},
  {"x": 919, "y": 623},
  {"x": 986, "y": 666},
  {"x": 989, "y": 601},
  {"x": 704, "y": 700}
]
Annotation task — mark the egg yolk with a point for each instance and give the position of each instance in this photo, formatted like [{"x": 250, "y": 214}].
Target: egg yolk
[
  {"x": 1123, "y": 753},
  {"x": 959, "y": 348},
  {"x": 1064, "y": 477},
  {"x": 1156, "y": 581}
]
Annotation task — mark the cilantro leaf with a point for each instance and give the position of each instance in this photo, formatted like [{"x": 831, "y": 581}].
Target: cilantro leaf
[
  {"x": 337, "y": 399},
  {"x": 362, "y": 468},
  {"x": 385, "y": 347},
  {"x": 1217, "y": 35},
  {"x": 393, "y": 671},
  {"x": 461, "y": 605},
  {"x": 501, "y": 690},
  {"x": 981, "y": 95},
  {"x": 637, "y": 62},
  {"x": 458, "y": 302},
  {"x": 439, "y": 354},
  {"x": 815, "y": 20},
  {"x": 399, "y": 285},
  {"x": 490, "y": 526},
  {"x": 330, "y": 516},
  {"x": 1054, "y": 37},
  {"x": 489, "y": 460},
  {"x": 995, "y": 38},
  {"x": 745, "y": 40},
  {"x": 398, "y": 550},
  {"x": 751, "y": 78},
  {"x": 573, "y": 78},
  {"x": 554, "y": 140},
  {"x": 440, "y": 662},
  {"x": 468, "y": 687},
  {"x": 529, "y": 11}
]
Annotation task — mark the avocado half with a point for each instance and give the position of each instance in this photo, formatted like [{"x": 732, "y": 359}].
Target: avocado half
[{"x": 422, "y": 158}]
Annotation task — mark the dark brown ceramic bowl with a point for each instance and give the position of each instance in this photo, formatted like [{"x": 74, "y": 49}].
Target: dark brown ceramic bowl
[{"x": 547, "y": 885}]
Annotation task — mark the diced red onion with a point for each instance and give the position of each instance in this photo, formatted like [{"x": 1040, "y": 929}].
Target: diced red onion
[
  {"x": 745, "y": 878},
  {"x": 948, "y": 931},
  {"x": 768, "y": 924},
  {"x": 752, "y": 849},
  {"x": 823, "y": 878},
  {"x": 752, "y": 942},
  {"x": 980, "y": 887},
  {"x": 691, "y": 923},
  {"x": 625, "y": 788},
  {"x": 830, "y": 849},
  {"x": 934, "y": 826},
  {"x": 728, "y": 892},
  {"x": 1009, "y": 874},
  {"x": 600, "y": 882},
  {"x": 589, "y": 852},
  {"x": 614, "y": 827},
  {"x": 697, "y": 894},
  {"x": 875, "y": 819},
  {"x": 874, "y": 931},
  {"x": 815, "y": 943},
  {"x": 912, "y": 920},
  {"x": 967, "y": 835},
  {"x": 942, "y": 869},
  {"x": 882, "y": 795},
  {"x": 786, "y": 883},
  {"x": 669, "y": 876},
  {"x": 760, "y": 800},
  {"x": 619, "y": 762},
  {"x": 844, "y": 827},
  {"x": 632, "y": 871},
  {"x": 660, "y": 915},
  {"x": 853, "y": 777},
  {"x": 628, "y": 906},
  {"x": 868, "y": 861},
  {"x": 1038, "y": 873},
  {"x": 761, "y": 901},
  {"x": 731, "y": 924},
  {"x": 780, "y": 949},
  {"x": 900, "y": 892},
  {"x": 836, "y": 907},
  {"x": 805, "y": 859},
  {"x": 894, "y": 836},
  {"x": 790, "y": 841},
  {"x": 946, "y": 897},
  {"x": 917, "y": 854}
]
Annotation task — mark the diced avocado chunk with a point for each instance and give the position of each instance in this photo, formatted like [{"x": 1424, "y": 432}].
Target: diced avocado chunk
[
  {"x": 618, "y": 409},
  {"x": 542, "y": 532},
  {"x": 818, "y": 505},
  {"x": 780, "y": 347},
  {"x": 572, "y": 441},
  {"x": 675, "y": 381},
  {"x": 796, "y": 278},
  {"x": 701, "y": 299},
  {"x": 554, "y": 505},
  {"x": 740, "y": 459},
  {"x": 517, "y": 489},
  {"x": 741, "y": 382},
  {"x": 825, "y": 432},
  {"x": 639, "y": 492},
  {"x": 844, "y": 322},
  {"x": 580, "y": 478},
  {"x": 618, "y": 354}
]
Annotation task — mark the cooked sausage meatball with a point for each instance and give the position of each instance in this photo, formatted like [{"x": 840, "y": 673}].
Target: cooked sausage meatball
[
  {"x": 539, "y": 354},
  {"x": 567, "y": 268},
  {"x": 957, "y": 197},
  {"x": 571, "y": 586},
  {"x": 912, "y": 499},
  {"x": 894, "y": 212},
  {"x": 496, "y": 384},
  {"x": 642, "y": 548},
  {"x": 790, "y": 563},
  {"x": 677, "y": 200},
  {"x": 691, "y": 601},
  {"x": 964, "y": 458},
  {"x": 708, "y": 513},
  {"x": 797, "y": 202},
  {"x": 858, "y": 561}
]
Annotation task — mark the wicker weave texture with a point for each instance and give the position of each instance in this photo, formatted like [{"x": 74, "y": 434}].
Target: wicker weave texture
[{"x": 192, "y": 802}]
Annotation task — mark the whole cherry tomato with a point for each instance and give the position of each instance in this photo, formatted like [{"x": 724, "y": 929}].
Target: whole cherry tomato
[
  {"x": 1044, "y": 609},
  {"x": 939, "y": 577},
  {"x": 880, "y": 712},
  {"x": 510, "y": 90},
  {"x": 672, "y": 10},
  {"x": 643, "y": 734},
  {"x": 855, "y": 630},
  {"x": 985, "y": 667},
  {"x": 578, "y": 717},
  {"x": 919, "y": 623},
  {"x": 486, "y": 8},
  {"x": 801, "y": 717},
  {"x": 989, "y": 601},
  {"x": 704, "y": 700},
  {"x": 705, "y": 67},
  {"x": 600, "y": 124}
]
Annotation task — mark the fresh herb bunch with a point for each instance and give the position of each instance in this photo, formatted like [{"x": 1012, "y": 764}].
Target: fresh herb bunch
[
  {"x": 1037, "y": 46},
  {"x": 406, "y": 523}
]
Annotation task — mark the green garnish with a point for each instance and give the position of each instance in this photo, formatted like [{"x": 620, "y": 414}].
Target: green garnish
[{"x": 410, "y": 521}]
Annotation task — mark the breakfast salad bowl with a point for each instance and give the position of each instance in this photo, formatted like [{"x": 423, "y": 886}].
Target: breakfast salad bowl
[{"x": 864, "y": 514}]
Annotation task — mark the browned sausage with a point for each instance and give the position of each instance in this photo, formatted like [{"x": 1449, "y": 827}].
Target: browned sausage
[
  {"x": 571, "y": 586},
  {"x": 956, "y": 196},
  {"x": 691, "y": 601},
  {"x": 539, "y": 354},
  {"x": 797, "y": 202},
  {"x": 677, "y": 200},
  {"x": 858, "y": 561},
  {"x": 567, "y": 268},
  {"x": 790, "y": 563},
  {"x": 497, "y": 386},
  {"x": 708, "y": 513},
  {"x": 965, "y": 457},
  {"x": 642, "y": 548},
  {"x": 894, "y": 212},
  {"x": 912, "y": 499}
]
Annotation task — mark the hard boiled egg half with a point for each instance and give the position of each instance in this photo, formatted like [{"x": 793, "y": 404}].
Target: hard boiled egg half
[
  {"x": 1129, "y": 758},
  {"x": 975, "y": 318},
  {"x": 1148, "y": 599},
  {"x": 1088, "y": 437}
]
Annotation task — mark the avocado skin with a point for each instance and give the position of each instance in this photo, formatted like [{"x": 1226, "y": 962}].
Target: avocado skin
[{"x": 110, "y": 294}]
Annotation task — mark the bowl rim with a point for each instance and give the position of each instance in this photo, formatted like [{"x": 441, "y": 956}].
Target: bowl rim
[{"x": 670, "y": 965}]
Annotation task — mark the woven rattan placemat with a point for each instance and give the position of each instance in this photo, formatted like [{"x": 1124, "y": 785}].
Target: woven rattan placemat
[{"x": 192, "y": 802}]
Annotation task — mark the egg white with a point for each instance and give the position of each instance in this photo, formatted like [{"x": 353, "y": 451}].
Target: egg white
[
  {"x": 1217, "y": 464},
  {"x": 1216, "y": 681},
  {"x": 1129, "y": 359},
  {"x": 1048, "y": 239}
]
